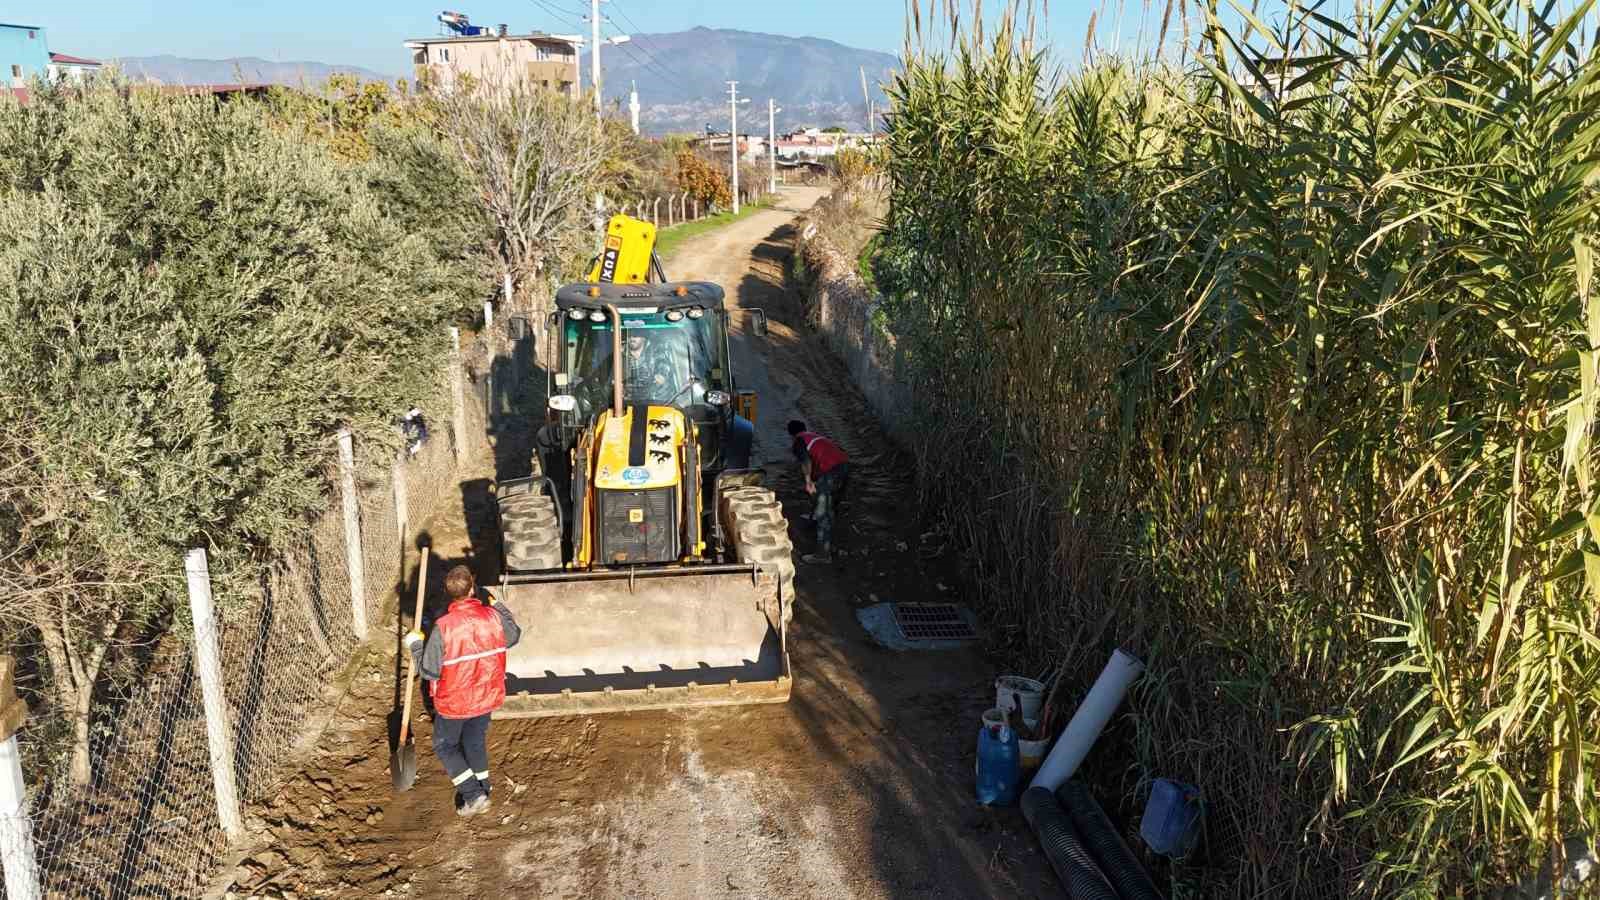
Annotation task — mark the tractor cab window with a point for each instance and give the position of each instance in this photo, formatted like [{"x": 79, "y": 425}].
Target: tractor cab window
[{"x": 668, "y": 358}]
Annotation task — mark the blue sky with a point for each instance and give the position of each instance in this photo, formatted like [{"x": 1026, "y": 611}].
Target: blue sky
[{"x": 369, "y": 32}]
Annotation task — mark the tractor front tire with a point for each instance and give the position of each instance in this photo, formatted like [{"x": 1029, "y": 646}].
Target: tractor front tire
[
  {"x": 530, "y": 532},
  {"x": 753, "y": 523}
]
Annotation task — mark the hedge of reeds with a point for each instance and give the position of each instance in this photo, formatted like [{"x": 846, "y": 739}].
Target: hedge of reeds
[{"x": 1275, "y": 362}]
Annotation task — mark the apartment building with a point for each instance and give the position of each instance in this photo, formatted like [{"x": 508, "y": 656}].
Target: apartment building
[{"x": 548, "y": 60}]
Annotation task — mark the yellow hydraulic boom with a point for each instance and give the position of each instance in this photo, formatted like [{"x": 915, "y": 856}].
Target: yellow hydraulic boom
[{"x": 629, "y": 254}]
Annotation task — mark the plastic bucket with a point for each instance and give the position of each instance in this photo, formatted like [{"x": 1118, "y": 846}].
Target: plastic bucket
[
  {"x": 1032, "y": 753},
  {"x": 1008, "y": 687}
]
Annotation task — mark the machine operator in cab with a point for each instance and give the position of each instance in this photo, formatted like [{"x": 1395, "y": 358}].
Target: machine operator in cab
[{"x": 647, "y": 369}]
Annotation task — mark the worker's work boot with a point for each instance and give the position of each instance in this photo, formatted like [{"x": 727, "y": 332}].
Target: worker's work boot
[{"x": 474, "y": 806}]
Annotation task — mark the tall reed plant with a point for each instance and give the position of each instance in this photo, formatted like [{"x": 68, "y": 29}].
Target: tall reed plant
[{"x": 1279, "y": 366}]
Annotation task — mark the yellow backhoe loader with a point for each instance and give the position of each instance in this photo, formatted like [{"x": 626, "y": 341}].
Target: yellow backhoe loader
[{"x": 646, "y": 562}]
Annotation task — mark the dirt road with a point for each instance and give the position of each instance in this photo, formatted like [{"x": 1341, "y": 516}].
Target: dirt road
[{"x": 860, "y": 786}]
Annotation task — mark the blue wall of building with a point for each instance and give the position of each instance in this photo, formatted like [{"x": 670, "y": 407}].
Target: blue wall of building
[{"x": 29, "y": 55}]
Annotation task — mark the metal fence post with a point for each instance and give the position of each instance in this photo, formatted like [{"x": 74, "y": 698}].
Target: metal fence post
[
  {"x": 17, "y": 855},
  {"x": 352, "y": 534},
  {"x": 208, "y": 660},
  {"x": 457, "y": 394}
]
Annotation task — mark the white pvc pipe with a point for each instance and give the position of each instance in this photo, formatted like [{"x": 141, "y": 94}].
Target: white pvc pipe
[{"x": 1096, "y": 710}]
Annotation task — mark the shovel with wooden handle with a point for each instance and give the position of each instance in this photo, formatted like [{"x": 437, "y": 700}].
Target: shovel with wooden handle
[{"x": 403, "y": 762}]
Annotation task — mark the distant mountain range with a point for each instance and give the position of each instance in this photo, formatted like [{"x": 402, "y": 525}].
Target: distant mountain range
[
  {"x": 682, "y": 77},
  {"x": 181, "y": 70}
]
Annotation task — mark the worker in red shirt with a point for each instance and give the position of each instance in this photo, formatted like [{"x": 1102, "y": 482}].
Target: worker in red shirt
[
  {"x": 827, "y": 471},
  {"x": 464, "y": 660}
]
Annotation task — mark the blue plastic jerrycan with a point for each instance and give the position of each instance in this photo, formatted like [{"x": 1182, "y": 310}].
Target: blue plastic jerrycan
[
  {"x": 1172, "y": 818},
  {"x": 999, "y": 763}
]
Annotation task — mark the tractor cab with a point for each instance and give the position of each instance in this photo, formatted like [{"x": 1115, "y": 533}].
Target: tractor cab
[{"x": 674, "y": 350}]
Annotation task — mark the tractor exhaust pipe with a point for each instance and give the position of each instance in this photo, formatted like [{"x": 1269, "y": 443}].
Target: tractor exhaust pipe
[{"x": 616, "y": 361}]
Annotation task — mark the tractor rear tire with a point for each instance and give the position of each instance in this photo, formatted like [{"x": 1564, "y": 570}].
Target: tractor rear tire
[
  {"x": 752, "y": 520},
  {"x": 530, "y": 532}
]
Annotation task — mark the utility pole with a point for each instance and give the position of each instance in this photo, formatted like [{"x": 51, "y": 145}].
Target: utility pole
[
  {"x": 594, "y": 58},
  {"x": 772, "y": 146},
  {"x": 733, "y": 138},
  {"x": 866, "y": 98},
  {"x": 633, "y": 106}
]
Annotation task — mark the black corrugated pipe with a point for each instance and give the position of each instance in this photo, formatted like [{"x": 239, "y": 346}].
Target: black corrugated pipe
[
  {"x": 1067, "y": 855},
  {"x": 1094, "y": 828}
]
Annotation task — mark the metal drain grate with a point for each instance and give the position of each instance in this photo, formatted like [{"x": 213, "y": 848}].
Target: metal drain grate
[{"x": 932, "y": 622}]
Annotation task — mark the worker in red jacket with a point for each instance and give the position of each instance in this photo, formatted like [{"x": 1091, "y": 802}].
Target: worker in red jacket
[
  {"x": 464, "y": 659},
  {"x": 827, "y": 471}
]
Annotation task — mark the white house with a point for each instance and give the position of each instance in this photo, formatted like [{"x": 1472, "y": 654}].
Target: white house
[{"x": 71, "y": 68}]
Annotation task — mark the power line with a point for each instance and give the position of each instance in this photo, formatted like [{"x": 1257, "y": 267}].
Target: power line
[
  {"x": 577, "y": 13},
  {"x": 641, "y": 57},
  {"x": 555, "y": 11},
  {"x": 649, "y": 62},
  {"x": 573, "y": 12},
  {"x": 633, "y": 28},
  {"x": 566, "y": 17}
]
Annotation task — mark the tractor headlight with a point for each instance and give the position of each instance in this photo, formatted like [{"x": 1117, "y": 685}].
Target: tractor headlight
[
  {"x": 675, "y": 315},
  {"x": 575, "y": 315},
  {"x": 597, "y": 315},
  {"x": 717, "y": 398},
  {"x": 563, "y": 403},
  {"x": 696, "y": 312}
]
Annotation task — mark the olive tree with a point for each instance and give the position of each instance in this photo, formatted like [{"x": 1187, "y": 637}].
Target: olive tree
[
  {"x": 534, "y": 158},
  {"x": 192, "y": 302}
]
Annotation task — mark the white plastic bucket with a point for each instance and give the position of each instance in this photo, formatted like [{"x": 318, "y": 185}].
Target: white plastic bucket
[
  {"x": 1008, "y": 687},
  {"x": 1032, "y": 753}
]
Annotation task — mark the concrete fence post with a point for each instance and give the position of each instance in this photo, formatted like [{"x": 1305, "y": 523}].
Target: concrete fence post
[
  {"x": 655, "y": 211},
  {"x": 208, "y": 662},
  {"x": 402, "y": 505},
  {"x": 671, "y": 201},
  {"x": 17, "y": 854},
  {"x": 457, "y": 394},
  {"x": 352, "y": 534}
]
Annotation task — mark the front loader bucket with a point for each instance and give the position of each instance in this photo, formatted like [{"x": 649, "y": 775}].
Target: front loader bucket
[{"x": 664, "y": 638}]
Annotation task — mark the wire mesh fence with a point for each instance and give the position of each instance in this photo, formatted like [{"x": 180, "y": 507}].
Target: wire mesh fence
[{"x": 147, "y": 823}]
